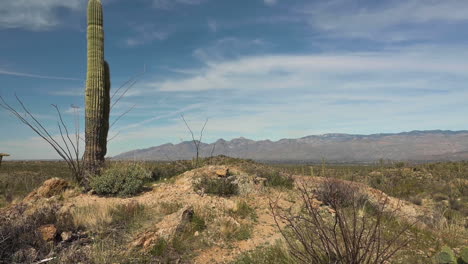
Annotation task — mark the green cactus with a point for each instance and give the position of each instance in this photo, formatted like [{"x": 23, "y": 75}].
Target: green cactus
[
  {"x": 446, "y": 256},
  {"x": 464, "y": 255},
  {"x": 97, "y": 92}
]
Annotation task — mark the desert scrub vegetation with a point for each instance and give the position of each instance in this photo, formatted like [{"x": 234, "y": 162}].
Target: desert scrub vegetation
[
  {"x": 21, "y": 239},
  {"x": 217, "y": 186},
  {"x": 161, "y": 171},
  {"x": 243, "y": 210},
  {"x": 120, "y": 179},
  {"x": 19, "y": 178},
  {"x": 350, "y": 231},
  {"x": 442, "y": 186},
  {"x": 269, "y": 254}
]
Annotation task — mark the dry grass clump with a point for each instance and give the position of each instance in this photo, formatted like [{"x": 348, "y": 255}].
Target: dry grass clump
[
  {"x": 169, "y": 207},
  {"x": 267, "y": 254},
  {"x": 106, "y": 217},
  {"x": 217, "y": 186}
]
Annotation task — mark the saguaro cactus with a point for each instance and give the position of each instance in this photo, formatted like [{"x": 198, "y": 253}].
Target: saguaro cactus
[{"x": 97, "y": 92}]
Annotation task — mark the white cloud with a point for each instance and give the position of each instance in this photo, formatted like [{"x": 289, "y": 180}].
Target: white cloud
[
  {"x": 34, "y": 14},
  {"x": 386, "y": 20},
  {"x": 167, "y": 4},
  {"x": 145, "y": 34},
  {"x": 213, "y": 25},
  {"x": 270, "y": 2},
  {"x": 295, "y": 71},
  {"x": 37, "y": 76}
]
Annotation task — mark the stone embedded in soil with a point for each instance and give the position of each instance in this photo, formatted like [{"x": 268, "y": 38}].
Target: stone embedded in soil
[
  {"x": 66, "y": 236},
  {"x": 48, "y": 232},
  {"x": 223, "y": 172}
]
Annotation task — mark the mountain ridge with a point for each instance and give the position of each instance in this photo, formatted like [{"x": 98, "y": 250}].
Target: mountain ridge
[{"x": 416, "y": 145}]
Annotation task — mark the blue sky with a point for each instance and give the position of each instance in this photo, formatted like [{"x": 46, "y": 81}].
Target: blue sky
[{"x": 261, "y": 69}]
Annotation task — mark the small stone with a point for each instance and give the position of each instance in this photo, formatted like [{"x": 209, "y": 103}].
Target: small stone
[
  {"x": 48, "y": 232},
  {"x": 66, "y": 236},
  {"x": 196, "y": 233}
]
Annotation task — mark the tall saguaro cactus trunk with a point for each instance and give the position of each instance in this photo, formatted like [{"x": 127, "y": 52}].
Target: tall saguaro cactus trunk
[{"x": 97, "y": 94}]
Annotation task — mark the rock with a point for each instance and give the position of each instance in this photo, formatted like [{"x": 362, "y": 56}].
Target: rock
[
  {"x": 223, "y": 172},
  {"x": 166, "y": 229},
  {"x": 66, "y": 236},
  {"x": 48, "y": 232},
  {"x": 186, "y": 218},
  {"x": 49, "y": 188}
]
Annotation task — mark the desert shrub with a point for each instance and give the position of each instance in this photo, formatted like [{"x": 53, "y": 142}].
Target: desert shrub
[
  {"x": 217, "y": 186},
  {"x": 243, "y": 210},
  {"x": 277, "y": 179},
  {"x": 339, "y": 194},
  {"x": 244, "y": 232},
  {"x": 265, "y": 255},
  {"x": 167, "y": 170},
  {"x": 121, "y": 180},
  {"x": 159, "y": 248},
  {"x": 349, "y": 234}
]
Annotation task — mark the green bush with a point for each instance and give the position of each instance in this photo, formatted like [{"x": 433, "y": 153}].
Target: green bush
[
  {"x": 166, "y": 170},
  {"x": 276, "y": 179},
  {"x": 121, "y": 180}
]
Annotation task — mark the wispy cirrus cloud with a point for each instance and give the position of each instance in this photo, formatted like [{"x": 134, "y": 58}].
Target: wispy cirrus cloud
[
  {"x": 270, "y": 2},
  {"x": 263, "y": 72},
  {"x": 146, "y": 34},
  {"x": 394, "y": 20},
  {"x": 168, "y": 4},
  {"x": 37, "y": 76},
  {"x": 34, "y": 14}
]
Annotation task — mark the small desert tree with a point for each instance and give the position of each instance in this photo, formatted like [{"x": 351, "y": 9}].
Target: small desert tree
[{"x": 196, "y": 142}]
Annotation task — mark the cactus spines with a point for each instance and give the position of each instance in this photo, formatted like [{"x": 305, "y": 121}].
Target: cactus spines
[
  {"x": 97, "y": 92},
  {"x": 446, "y": 256}
]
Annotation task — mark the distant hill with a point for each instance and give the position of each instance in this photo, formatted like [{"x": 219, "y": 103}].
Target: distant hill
[{"x": 431, "y": 145}]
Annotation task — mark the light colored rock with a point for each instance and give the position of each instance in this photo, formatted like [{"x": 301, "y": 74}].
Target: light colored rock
[
  {"x": 223, "y": 172},
  {"x": 66, "y": 236},
  {"x": 48, "y": 232},
  {"x": 49, "y": 188}
]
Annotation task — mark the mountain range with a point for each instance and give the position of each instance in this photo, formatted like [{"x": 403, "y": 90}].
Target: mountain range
[{"x": 433, "y": 145}]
